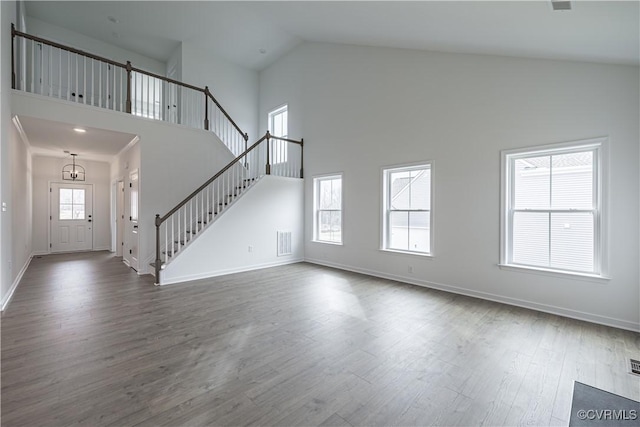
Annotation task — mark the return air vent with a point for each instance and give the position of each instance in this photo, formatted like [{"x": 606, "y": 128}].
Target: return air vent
[
  {"x": 284, "y": 243},
  {"x": 561, "y": 5},
  {"x": 635, "y": 366}
]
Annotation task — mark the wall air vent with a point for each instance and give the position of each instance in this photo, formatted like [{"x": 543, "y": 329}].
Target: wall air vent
[
  {"x": 635, "y": 366},
  {"x": 284, "y": 243},
  {"x": 560, "y": 5}
]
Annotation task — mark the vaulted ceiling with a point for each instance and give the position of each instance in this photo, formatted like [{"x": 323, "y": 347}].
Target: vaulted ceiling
[{"x": 255, "y": 34}]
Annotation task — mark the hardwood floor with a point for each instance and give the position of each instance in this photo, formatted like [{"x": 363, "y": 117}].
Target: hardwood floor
[{"x": 86, "y": 341}]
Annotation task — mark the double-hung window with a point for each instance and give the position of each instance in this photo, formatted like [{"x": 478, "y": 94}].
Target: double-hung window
[
  {"x": 279, "y": 126},
  {"x": 407, "y": 215},
  {"x": 327, "y": 192},
  {"x": 552, "y": 208}
]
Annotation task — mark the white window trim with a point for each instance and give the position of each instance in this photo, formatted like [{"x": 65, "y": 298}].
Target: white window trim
[
  {"x": 279, "y": 149},
  {"x": 274, "y": 112},
  {"x": 316, "y": 180},
  {"x": 385, "y": 205},
  {"x": 601, "y": 247}
]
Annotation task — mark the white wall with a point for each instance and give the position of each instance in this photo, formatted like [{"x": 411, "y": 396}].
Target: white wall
[
  {"x": 174, "y": 160},
  {"x": 174, "y": 64},
  {"x": 361, "y": 108},
  {"x": 21, "y": 204},
  {"x": 47, "y": 170},
  {"x": 7, "y": 140},
  {"x": 273, "y": 204},
  {"x": 235, "y": 87},
  {"x": 67, "y": 37}
]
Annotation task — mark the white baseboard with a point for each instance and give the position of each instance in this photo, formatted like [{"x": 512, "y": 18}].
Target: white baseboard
[
  {"x": 16, "y": 282},
  {"x": 40, "y": 253},
  {"x": 565, "y": 312},
  {"x": 217, "y": 273}
]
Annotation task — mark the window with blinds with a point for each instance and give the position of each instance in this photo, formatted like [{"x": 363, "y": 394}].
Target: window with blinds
[
  {"x": 328, "y": 209},
  {"x": 553, "y": 208},
  {"x": 407, "y": 209}
]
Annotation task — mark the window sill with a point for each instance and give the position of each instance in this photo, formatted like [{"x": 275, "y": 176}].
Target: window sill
[
  {"x": 327, "y": 243},
  {"x": 398, "y": 252},
  {"x": 555, "y": 273}
]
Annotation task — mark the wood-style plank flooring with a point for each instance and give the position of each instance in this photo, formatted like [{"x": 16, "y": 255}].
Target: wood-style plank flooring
[{"x": 86, "y": 341}]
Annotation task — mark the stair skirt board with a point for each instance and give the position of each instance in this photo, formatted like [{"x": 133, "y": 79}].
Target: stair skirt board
[{"x": 229, "y": 271}]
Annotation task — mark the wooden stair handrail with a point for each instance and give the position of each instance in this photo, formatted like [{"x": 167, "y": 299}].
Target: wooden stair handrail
[
  {"x": 127, "y": 66},
  {"x": 160, "y": 220}
]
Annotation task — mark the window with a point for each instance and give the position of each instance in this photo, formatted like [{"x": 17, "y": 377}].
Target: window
[
  {"x": 327, "y": 194},
  {"x": 552, "y": 208},
  {"x": 279, "y": 126},
  {"x": 71, "y": 203},
  {"x": 407, "y": 209}
]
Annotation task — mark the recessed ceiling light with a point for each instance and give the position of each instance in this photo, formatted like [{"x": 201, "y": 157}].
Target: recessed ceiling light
[
  {"x": 79, "y": 130},
  {"x": 113, "y": 19}
]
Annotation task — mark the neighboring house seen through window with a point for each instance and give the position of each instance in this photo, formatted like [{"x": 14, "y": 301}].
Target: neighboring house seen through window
[
  {"x": 552, "y": 208},
  {"x": 407, "y": 209}
]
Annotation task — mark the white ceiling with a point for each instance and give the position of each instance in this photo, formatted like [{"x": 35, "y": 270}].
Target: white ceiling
[
  {"x": 605, "y": 31},
  {"x": 49, "y": 138}
]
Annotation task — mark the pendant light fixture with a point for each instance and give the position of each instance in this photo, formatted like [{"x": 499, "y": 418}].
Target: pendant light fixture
[{"x": 73, "y": 172}]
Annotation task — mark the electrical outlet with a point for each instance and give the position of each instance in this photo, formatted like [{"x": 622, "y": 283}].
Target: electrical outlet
[{"x": 250, "y": 248}]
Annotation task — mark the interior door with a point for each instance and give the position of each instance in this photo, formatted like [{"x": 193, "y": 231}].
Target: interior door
[
  {"x": 71, "y": 217},
  {"x": 119, "y": 218},
  {"x": 133, "y": 219},
  {"x": 170, "y": 94}
]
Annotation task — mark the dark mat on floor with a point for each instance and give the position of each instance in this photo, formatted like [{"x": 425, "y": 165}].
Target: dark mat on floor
[{"x": 594, "y": 407}]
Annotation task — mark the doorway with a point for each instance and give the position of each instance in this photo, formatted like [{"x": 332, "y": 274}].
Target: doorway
[
  {"x": 119, "y": 217},
  {"x": 131, "y": 253},
  {"x": 71, "y": 217}
]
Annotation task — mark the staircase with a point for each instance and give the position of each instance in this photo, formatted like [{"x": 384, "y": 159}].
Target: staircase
[
  {"x": 190, "y": 218},
  {"x": 51, "y": 69}
]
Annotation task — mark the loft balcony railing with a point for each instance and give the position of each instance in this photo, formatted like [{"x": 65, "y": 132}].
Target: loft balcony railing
[
  {"x": 48, "y": 68},
  {"x": 269, "y": 155}
]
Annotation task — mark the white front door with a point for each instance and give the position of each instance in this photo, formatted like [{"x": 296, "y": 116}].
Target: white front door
[{"x": 71, "y": 217}]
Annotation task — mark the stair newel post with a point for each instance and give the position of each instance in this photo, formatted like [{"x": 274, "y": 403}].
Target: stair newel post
[
  {"x": 206, "y": 108},
  {"x": 13, "y": 60},
  {"x": 268, "y": 170},
  {"x": 246, "y": 145},
  {"x": 158, "y": 262},
  {"x": 128, "y": 102},
  {"x": 301, "y": 157}
]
